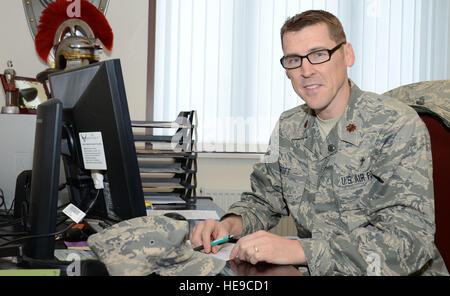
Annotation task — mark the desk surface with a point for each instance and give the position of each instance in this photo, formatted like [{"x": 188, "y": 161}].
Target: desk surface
[
  {"x": 235, "y": 268},
  {"x": 232, "y": 268}
]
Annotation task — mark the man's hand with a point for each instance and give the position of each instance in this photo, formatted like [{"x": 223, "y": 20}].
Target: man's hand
[
  {"x": 263, "y": 246},
  {"x": 206, "y": 231}
]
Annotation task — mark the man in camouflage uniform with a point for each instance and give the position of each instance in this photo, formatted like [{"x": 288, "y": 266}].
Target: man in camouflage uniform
[{"x": 352, "y": 168}]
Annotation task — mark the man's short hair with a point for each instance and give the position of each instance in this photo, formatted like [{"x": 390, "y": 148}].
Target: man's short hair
[{"x": 313, "y": 17}]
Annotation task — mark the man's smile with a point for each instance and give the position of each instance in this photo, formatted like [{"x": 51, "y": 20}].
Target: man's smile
[{"x": 313, "y": 86}]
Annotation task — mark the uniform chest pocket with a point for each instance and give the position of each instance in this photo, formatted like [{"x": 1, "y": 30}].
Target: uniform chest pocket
[
  {"x": 351, "y": 181},
  {"x": 293, "y": 181},
  {"x": 350, "y": 197}
]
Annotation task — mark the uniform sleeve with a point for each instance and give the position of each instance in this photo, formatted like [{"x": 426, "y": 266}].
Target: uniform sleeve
[
  {"x": 262, "y": 208},
  {"x": 398, "y": 238}
]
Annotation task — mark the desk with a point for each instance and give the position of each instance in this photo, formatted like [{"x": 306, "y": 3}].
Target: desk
[
  {"x": 233, "y": 268},
  {"x": 95, "y": 268}
]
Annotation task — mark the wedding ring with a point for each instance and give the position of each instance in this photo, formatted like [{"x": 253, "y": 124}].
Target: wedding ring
[{"x": 256, "y": 249}]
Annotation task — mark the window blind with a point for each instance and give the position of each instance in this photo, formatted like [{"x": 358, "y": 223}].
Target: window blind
[{"x": 221, "y": 58}]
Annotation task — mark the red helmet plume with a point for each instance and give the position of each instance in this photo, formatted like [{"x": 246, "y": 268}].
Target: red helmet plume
[{"x": 56, "y": 13}]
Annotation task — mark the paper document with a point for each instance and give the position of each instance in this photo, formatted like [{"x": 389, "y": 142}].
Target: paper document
[
  {"x": 164, "y": 199},
  {"x": 224, "y": 253},
  {"x": 165, "y": 202},
  {"x": 188, "y": 214}
]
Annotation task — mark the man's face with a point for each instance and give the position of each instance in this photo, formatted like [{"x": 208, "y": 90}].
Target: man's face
[{"x": 324, "y": 87}]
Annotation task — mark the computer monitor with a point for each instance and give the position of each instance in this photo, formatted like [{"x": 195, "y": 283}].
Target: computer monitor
[
  {"x": 97, "y": 136},
  {"x": 44, "y": 181}
]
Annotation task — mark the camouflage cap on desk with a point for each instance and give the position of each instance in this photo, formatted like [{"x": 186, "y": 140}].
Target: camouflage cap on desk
[{"x": 154, "y": 244}]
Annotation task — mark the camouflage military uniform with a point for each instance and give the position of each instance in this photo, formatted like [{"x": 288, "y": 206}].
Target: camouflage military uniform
[{"x": 362, "y": 200}]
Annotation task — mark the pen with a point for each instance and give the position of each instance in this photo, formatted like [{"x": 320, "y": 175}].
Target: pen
[{"x": 216, "y": 242}]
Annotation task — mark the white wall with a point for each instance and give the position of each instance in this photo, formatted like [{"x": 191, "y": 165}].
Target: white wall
[
  {"x": 222, "y": 171},
  {"x": 129, "y": 21}
]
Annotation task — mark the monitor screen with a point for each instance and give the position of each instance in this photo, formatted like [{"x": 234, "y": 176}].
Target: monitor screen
[{"x": 97, "y": 137}]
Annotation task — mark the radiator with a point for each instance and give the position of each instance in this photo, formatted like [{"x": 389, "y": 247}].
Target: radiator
[{"x": 225, "y": 197}]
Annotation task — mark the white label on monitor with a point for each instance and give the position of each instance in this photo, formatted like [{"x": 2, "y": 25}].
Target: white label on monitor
[{"x": 93, "y": 151}]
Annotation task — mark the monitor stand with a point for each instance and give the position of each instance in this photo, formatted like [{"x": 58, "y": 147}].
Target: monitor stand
[{"x": 22, "y": 261}]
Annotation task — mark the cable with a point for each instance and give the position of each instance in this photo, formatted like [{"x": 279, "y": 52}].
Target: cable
[
  {"x": 62, "y": 186},
  {"x": 2, "y": 199},
  {"x": 93, "y": 202},
  {"x": 8, "y": 212},
  {"x": 3, "y": 203},
  {"x": 54, "y": 233},
  {"x": 11, "y": 221},
  {"x": 13, "y": 234},
  {"x": 39, "y": 235}
]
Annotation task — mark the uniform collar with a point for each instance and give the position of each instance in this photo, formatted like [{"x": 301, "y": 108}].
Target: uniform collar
[{"x": 349, "y": 126}]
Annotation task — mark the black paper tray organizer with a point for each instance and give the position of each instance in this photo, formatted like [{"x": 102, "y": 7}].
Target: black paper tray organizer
[{"x": 168, "y": 163}]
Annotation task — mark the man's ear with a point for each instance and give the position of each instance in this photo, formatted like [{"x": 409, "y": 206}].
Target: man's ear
[{"x": 349, "y": 54}]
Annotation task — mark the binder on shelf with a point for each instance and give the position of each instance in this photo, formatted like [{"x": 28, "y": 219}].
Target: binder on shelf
[{"x": 168, "y": 163}]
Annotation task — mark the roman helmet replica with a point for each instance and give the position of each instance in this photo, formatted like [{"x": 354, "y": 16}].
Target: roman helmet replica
[{"x": 74, "y": 38}]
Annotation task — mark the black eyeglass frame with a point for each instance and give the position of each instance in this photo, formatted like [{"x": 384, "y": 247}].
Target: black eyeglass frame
[{"x": 330, "y": 53}]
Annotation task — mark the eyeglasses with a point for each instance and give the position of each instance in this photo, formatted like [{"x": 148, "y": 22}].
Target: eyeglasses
[{"x": 315, "y": 58}]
